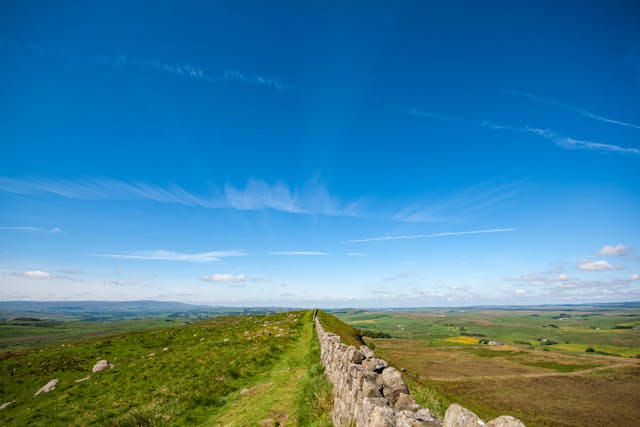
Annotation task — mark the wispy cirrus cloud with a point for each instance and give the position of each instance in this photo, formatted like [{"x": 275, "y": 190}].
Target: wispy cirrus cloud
[
  {"x": 314, "y": 198},
  {"x": 432, "y": 235},
  {"x": 548, "y": 134},
  {"x": 461, "y": 204},
  {"x": 192, "y": 71},
  {"x": 53, "y": 230},
  {"x": 163, "y": 255},
  {"x": 580, "y": 111}
]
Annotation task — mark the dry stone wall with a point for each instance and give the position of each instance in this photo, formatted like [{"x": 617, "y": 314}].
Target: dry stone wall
[{"x": 370, "y": 393}]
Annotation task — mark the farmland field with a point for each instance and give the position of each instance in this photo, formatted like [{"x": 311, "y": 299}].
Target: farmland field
[{"x": 563, "y": 366}]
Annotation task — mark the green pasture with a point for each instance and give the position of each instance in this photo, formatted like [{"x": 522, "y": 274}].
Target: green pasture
[
  {"x": 181, "y": 375},
  {"x": 574, "y": 331}
]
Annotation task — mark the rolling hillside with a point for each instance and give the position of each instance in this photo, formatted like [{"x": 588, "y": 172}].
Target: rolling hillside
[{"x": 229, "y": 370}]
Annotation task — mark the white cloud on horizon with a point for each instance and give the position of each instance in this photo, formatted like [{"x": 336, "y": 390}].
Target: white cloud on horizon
[
  {"x": 580, "y": 111},
  {"x": 224, "y": 278},
  {"x": 599, "y": 265},
  {"x": 617, "y": 250},
  {"x": 37, "y": 274},
  {"x": 540, "y": 279},
  {"x": 427, "y": 236},
  {"x": 548, "y": 134},
  {"x": 356, "y": 254},
  {"x": 163, "y": 255},
  {"x": 40, "y": 275}
]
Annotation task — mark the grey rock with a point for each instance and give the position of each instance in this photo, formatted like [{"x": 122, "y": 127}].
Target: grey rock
[
  {"x": 457, "y": 416},
  {"x": 101, "y": 365},
  {"x": 382, "y": 416},
  {"x": 356, "y": 356},
  {"x": 51, "y": 385},
  {"x": 411, "y": 419},
  {"x": 505, "y": 421},
  {"x": 392, "y": 384},
  {"x": 405, "y": 402},
  {"x": 4, "y": 405},
  {"x": 366, "y": 351},
  {"x": 374, "y": 364}
]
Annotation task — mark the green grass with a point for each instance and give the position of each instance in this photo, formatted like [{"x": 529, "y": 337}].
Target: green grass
[
  {"x": 560, "y": 367},
  {"x": 583, "y": 329},
  {"x": 22, "y": 335},
  {"x": 195, "y": 381},
  {"x": 314, "y": 399},
  {"x": 348, "y": 334}
]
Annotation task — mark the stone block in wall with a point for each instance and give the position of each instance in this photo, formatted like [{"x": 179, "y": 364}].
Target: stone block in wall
[
  {"x": 392, "y": 384},
  {"x": 457, "y": 416},
  {"x": 382, "y": 416},
  {"x": 355, "y": 356},
  {"x": 405, "y": 402},
  {"x": 374, "y": 364},
  {"x": 366, "y": 352},
  {"x": 369, "y": 384},
  {"x": 412, "y": 419},
  {"x": 505, "y": 421}
]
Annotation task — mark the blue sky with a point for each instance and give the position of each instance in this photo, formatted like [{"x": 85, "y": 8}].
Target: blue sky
[{"x": 317, "y": 153}]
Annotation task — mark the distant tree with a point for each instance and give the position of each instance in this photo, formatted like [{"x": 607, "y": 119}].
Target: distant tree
[{"x": 590, "y": 350}]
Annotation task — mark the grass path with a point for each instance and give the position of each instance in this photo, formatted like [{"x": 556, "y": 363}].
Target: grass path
[{"x": 273, "y": 395}]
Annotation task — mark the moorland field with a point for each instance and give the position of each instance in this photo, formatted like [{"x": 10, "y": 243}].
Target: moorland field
[{"x": 548, "y": 366}]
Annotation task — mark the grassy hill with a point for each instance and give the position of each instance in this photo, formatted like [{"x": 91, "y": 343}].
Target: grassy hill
[{"x": 228, "y": 370}]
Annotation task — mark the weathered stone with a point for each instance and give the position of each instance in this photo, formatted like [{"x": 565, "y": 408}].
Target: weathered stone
[
  {"x": 406, "y": 402},
  {"x": 366, "y": 351},
  {"x": 355, "y": 356},
  {"x": 457, "y": 416},
  {"x": 505, "y": 421},
  {"x": 411, "y": 419},
  {"x": 382, "y": 416},
  {"x": 82, "y": 379},
  {"x": 374, "y": 364},
  {"x": 426, "y": 415},
  {"x": 392, "y": 384},
  {"x": 51, "y": 385},
  {"x": 101, "y": 365},
  {"x": 369, "y": 384}
]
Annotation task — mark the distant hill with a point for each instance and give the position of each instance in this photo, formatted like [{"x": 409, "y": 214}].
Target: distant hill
[{"x": 111, "y": 310}]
